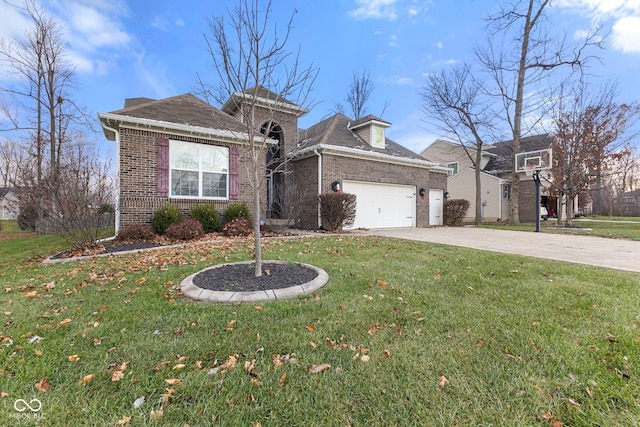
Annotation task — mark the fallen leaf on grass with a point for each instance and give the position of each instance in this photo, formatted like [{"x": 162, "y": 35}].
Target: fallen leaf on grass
[
  {"x": 310, "y": 328},
  {"x": 42, "y": 386},
  {"x": 443, "y": 381},
  {"x": 573, "y": 402},
  {"x": 556, "y": 423},
  {"x": 319, "y": 368},
  {"x": 547, "y": 415},
  {"x": 37, "y": 352},
  {"x": 86, "y": 379},
  {"x": 282, "y": 380},
  {"x": 178, "y": 366},
  {"x": 156, "y": 415},
  {"x": 365, "y": 358},
  {"x": 31, "y": 294},
  {"x": 63, "y": 323},
  {"x": 173, "y": 381},
  {"x": 124, "y": 420},
  {"x": 117, "y": 376}
]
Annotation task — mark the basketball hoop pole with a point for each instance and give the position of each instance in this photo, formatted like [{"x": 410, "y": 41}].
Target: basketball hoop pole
[{"x": 536, "y": 179}]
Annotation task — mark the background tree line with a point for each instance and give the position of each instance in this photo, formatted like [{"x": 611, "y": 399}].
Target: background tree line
[{"x": 49, "y": 160}]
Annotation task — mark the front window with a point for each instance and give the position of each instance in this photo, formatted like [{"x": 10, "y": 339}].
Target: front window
[
  {"x": 199, "y": 170},
  {"x": 454, "y": 167}
]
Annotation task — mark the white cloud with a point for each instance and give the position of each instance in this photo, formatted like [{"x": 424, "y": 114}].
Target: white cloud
[
  {"x": 94, "y": 28},
  {"x": 160, "y": 23},
  {"x": 625, "y": 15},
  {"x": 153, "y": 72},
  {"x": 626, "y": 34},
  {"x": 375, "y": 9}
]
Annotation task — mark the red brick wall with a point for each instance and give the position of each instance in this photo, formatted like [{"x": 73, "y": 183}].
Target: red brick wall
[
  {"x": 138, "y": 177},
  {"x": 338, "y": 168}
]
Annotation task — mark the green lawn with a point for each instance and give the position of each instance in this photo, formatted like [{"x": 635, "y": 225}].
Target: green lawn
[
  {"x": 610, "y": 227},
  {"x": 414, "y": 334}
]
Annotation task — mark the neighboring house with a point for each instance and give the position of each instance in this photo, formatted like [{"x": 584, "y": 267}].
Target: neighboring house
[
  {"x": 9, "y": 204},
  {"x": 184, "y": 151},
  {"x": 627, "y": 203},
  {"x": 497, "y": 166}
]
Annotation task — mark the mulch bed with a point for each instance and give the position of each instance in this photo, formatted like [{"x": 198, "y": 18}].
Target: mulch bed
[
  {"x": 241, "y": 277},
  {"x": 115, "y": 246}
]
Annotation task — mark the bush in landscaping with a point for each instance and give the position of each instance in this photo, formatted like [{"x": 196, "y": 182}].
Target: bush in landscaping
[
  {"x": 165, "y": 217},
  {"x": 237, "y": 210},
  {"x": 238, "y": 227},
  {"x": 136, "y": 233},
  {"x": 188, "y": 229},
  {"x": 337, "y": 210},
  {"x": 208, "y": 217},
  {"x": 27, "y": 217},
  {"x": 455, "y": 211}
]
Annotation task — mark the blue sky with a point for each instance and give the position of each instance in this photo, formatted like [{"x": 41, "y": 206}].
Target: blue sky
[{"x": 123, "y": 49}]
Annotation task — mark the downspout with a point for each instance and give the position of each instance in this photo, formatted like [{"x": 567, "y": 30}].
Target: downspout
[
  {"x": 117, "y": 195},
  {"x": 315, "y": 151}
]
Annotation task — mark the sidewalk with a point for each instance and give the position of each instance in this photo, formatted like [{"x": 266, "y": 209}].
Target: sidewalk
[{"x": 596, "y": 251}]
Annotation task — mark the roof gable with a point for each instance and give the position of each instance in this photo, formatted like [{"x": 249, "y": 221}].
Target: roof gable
[{"x": 338, "y": 131}]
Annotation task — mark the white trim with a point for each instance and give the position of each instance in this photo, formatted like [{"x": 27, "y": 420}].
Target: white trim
[{"x": 368, "y": 155}]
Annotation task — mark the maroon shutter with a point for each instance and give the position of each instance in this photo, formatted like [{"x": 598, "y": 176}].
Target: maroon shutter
[
  {"x": 234, "y": 175},
  {"x": 163, "y": 167}
]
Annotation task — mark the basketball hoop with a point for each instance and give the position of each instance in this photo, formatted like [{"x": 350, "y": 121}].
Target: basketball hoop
[{"x": 529, "y": 169}]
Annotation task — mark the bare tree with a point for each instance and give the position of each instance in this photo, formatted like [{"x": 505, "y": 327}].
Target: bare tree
[
  {"x": 40, "y": 104},
  {"x": 252, "y": 62},
  {"x": 521, "y": 52},
  {"x": 590, "y": 137},
  {"x": 456, "y": 103}
]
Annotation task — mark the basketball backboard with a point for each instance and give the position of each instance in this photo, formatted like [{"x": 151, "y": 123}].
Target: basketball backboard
[{"x": 538, "y": 160}]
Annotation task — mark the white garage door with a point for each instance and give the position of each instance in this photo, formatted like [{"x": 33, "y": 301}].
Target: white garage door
[{"x": 382, "y": 205}]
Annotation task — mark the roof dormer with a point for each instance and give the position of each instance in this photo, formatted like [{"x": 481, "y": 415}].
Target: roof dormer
[{"x": 371, "y": 129}]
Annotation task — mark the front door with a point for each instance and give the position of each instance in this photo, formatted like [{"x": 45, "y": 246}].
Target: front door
[{"x": 436, "y": 207}]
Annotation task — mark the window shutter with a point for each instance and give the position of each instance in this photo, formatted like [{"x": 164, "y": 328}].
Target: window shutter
[
  {"x": 234, "y": 175},
  {"x": 163, "y": 167}
]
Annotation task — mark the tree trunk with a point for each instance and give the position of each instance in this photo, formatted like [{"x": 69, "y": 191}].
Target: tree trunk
[{"x": 256, "y": 214}]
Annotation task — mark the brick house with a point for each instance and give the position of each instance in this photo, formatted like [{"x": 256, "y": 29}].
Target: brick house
[{"x": 184, "y": 151}]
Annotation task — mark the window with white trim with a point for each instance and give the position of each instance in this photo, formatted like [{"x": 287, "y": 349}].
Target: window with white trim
[
  {"x": 453, "y": 166},
  {"x": 198, "y": 170}
]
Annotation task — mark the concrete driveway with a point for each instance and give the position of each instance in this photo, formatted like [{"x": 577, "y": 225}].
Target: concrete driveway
[{"x": 596, "y": 251}]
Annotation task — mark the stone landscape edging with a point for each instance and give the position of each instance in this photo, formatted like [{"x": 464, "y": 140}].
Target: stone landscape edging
[{"x": 190, "y": 290}]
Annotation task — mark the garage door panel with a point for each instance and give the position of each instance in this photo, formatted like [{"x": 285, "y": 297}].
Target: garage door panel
[{"x": 382, "y": 205}]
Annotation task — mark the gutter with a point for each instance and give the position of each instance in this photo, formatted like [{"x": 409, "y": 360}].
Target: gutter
[
  {"x": 117, "y": 195},
  {"x": 370, "y": 155},
  {"x": 187, "y": 129},
  {"x": 319, "y": 184}
]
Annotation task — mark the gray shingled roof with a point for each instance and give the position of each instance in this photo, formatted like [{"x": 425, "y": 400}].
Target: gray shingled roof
[
  {"x": 505, "y": 157},
  {"x": 185, "y": 109},
  {"x": 335, "y": 131}
]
